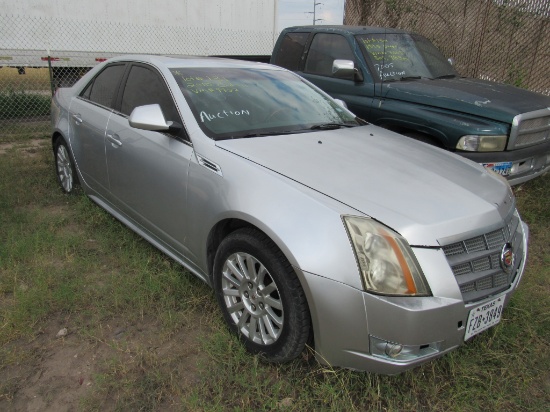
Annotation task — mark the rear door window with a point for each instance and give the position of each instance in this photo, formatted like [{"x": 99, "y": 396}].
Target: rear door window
[
  {"x": 290, "y": 52},
  {"x": 103, "y": 88}
]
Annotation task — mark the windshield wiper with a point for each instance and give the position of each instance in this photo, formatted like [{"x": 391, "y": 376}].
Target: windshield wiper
[
  {"x": 324, "y": 126},
  {"x": 330, "y": 126},
  {"x": 264, "y": 134},
  {"x": 445, "y": 76},
  {"x": 402, "y": 78}
]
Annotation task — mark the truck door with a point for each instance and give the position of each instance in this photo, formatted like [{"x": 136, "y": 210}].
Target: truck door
[{"x": 323, "y": 50}]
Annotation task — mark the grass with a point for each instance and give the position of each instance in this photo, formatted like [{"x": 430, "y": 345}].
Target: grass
[
  {"x": 154, "y": 336},
  {"x": 15, "y": 105},
  {"x": 24, "y": 103},
  {"x": 33, "y": 80}
]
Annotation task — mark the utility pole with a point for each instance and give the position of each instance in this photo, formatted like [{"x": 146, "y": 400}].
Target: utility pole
[{"x": 314, "y": 10}]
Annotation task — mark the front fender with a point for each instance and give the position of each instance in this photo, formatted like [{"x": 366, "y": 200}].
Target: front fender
[
  {"x": 304, "y": 224},
  {"x": 446, "y": 126}
]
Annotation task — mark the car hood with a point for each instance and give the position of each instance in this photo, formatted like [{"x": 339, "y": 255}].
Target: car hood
[
  {"x": 423, "y": 193},
  {"x": 471, "y": 96}
]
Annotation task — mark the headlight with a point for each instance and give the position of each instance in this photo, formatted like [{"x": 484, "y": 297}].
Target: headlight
[
  {"x": 386, "y": 262},
  {"x": 475, "y": 143}
]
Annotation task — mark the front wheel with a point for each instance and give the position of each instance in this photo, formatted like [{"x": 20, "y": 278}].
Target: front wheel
[
  {"x": 260, "y": 296},
  {"x": 64, "y": 166}
]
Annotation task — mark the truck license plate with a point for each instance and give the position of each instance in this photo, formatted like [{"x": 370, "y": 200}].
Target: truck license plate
[
  {"x": 483, "y": 317},
  {"x": 502, "y": 168}
]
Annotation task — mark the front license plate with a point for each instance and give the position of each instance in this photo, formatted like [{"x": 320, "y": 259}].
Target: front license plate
[
  {"x": 483, "y": 317},
  {"x": 502, "y": 168}
]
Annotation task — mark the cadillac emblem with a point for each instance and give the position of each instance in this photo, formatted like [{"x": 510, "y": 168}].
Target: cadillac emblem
[{"x": 507, "y": 258}]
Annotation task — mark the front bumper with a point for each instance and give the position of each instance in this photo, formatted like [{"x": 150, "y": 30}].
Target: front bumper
[
  {"x": 351, "y": 326},
  {"x": 528, "y": 163}
]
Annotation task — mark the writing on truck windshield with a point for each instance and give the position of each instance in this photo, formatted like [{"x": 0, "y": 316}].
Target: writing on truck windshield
[
  {"x": 235, "y": 102},
  {"x": 400, "y": 56}
]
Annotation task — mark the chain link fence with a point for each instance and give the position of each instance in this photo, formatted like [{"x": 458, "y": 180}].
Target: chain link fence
[
  {"x": 38, "y": 55},
  {"x": 500, "y": 40}
]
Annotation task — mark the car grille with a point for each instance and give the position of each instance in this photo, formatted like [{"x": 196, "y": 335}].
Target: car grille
[
  {"x": 530, "y": 128},
  {"x": 476, "y": 262}
]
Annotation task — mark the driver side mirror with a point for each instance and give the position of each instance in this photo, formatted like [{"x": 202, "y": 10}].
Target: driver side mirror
[
  {"x": 149, "y": 117},
  {"x": 345, "y": 69}
]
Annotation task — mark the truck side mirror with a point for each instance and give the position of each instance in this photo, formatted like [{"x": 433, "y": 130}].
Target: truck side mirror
[
  {"x": 451, "y": 61},
  {"x": 345, "y": 69}
]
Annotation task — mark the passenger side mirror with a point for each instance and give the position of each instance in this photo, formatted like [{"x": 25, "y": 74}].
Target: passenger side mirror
[
  {"x": 149, "y": 117},
  {"x": 345, "y": 69},
  {"x": 341, "y": 103}
]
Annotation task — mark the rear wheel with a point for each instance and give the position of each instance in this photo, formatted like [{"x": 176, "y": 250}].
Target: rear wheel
[
  {"x": 64, "y": 166},
  {"x": 260, "y": 296}
]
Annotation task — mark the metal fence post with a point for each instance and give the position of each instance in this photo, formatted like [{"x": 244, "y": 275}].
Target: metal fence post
[{"x": 50, "y": 70}]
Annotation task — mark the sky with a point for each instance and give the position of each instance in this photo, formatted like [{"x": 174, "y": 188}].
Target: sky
[{"x": 300, "y": 12}]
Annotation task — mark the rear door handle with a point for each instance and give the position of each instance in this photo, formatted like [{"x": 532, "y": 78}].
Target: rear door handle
[
  {"x": 77, "y": 119},
  {"x": 114, "y": 139}
]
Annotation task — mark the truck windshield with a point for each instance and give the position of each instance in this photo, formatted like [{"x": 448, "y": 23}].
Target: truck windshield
[
  {"x": 400, "y": 56},
  {"x": 244, "y": 102}
]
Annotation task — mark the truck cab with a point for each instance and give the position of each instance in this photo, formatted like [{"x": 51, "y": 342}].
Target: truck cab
[{"x": 399, "y": 80}]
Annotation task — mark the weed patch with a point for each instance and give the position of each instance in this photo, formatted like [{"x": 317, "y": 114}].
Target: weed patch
[
  {"x": 23, "y": 105},
  {"x": 143, "y": 334}
]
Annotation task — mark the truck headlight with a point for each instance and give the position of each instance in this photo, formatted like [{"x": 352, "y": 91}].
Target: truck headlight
[
  {"x": 385, "y": 259},
  {"x": 475, "y": 143}
]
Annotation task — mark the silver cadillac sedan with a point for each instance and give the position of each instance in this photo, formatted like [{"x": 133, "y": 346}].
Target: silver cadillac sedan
[{"x": 312, "y": 227}]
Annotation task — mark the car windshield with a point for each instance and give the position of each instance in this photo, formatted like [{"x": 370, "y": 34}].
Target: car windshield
[
  {"x": 241, "y": 102},
  {"x": 402, "y": 56}
]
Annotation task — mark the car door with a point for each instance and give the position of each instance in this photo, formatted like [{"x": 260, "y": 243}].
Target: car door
[
  {"x": 147, "y": 169},
  {"x": 323, "y": 50},
  {"x": 89, "y": 114}
]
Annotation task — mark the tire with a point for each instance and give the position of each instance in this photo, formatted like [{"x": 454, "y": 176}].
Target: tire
[
  {"x": 260, "y": 296},
  {"x": 64, "y": 166}
]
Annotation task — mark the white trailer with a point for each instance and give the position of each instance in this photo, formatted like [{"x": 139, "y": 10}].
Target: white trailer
[{"x": 81, "y": 33}]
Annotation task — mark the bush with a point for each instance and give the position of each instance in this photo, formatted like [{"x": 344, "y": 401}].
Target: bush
[{"x": 14, "y": 105}]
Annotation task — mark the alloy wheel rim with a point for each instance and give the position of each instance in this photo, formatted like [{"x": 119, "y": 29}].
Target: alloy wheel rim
[
  {"x": 252, "y": 298},
  {"x": 64, "y": 169}
]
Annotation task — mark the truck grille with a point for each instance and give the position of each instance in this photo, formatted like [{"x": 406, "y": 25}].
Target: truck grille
[
  {"x": 530, "y": 129},
  {"x": 476, "y": 262}
]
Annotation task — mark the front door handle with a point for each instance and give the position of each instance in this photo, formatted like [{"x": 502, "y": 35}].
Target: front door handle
[
  {"x": 114, "y": 139},
  {"x": 77, "y": 119}
]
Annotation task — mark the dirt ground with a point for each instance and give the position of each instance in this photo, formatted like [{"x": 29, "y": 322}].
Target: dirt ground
[
  {"x": 60, "y": 371},
  {"x": 30, "y": 147}
]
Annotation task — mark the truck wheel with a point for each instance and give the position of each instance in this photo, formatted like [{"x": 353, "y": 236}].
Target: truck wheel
[
  {"x": 260, "y": 296},
  {"x": 64, "y": 166}
]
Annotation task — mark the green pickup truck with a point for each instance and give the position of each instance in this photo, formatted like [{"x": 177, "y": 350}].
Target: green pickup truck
[{"x": 401, "y": 81}]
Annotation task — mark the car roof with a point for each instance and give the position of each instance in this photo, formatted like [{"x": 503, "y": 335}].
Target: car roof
[
  {"x": 175, "y": 61},
  {"x": 343, "y": 29}
]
